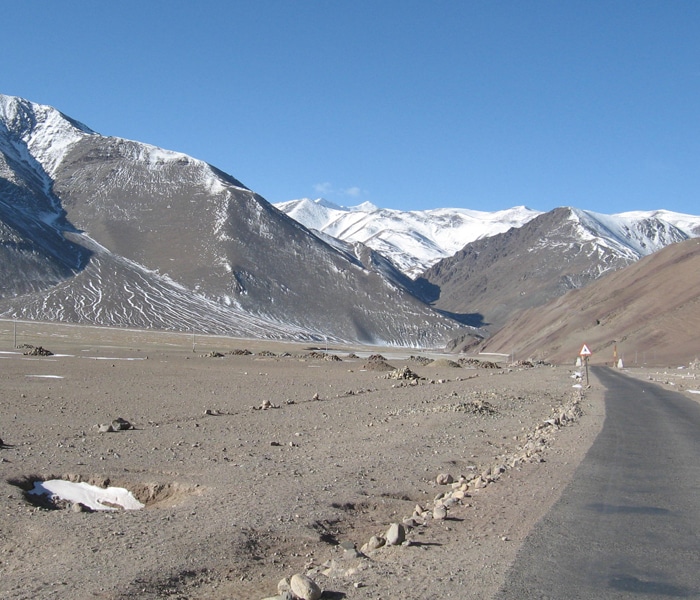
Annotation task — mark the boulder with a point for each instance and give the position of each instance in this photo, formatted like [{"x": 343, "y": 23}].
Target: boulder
[
  {"x": 304, "y": 587},
  {"x": 396, "y": 534}
]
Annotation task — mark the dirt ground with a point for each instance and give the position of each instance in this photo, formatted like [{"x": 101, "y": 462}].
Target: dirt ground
[{"x": 239, "y": 496}]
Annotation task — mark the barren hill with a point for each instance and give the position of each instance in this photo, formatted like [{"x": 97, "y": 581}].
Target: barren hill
[{"x": 650, "y": 310}]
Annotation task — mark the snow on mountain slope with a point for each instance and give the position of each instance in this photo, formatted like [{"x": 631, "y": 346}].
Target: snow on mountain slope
[
  {"x": 416, "y": 240},
  {"x": 412, "y": 240},
  {"x": 40, "y": 135},
  {"x": 688, "y": 224},
  {"x": 631, "y": 235}
]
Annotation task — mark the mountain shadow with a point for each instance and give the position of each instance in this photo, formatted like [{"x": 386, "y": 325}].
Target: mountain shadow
[{"x": 35, "y": 253}]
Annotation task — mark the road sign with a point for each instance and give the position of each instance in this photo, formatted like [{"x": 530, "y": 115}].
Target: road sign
[{"x": 585, "y": 353}]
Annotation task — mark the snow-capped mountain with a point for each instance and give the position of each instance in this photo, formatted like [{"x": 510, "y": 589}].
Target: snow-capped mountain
[
  {"x": 412, "y": 240},
  {"x": 416, "y": 240},
  {"x": 104, "y": 230},
  {"x": 110, "y": 231},
  {"x": 558, "y": 251}
]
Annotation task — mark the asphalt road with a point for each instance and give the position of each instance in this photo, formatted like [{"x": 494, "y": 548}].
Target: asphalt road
[{"x": 628, "y": 524}]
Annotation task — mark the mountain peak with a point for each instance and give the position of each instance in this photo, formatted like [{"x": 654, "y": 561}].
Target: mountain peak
[{"x": 38, "y": 133}]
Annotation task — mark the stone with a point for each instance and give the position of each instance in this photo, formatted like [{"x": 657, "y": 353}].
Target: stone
[
  {"x": 106, "y": 429},
  {"x": 480, "y": 483},
  {"x": 410, "y": 522},
  {"x": 396, "y": 534},
  {"x": 283, "y": 586},
  {"x": 440, "y": 512},
  {"x": 444, "y": 479},
  {"x": 120, "y": 424},
  {"x": 374, "y": 543},
  {"x": 304, "y": 587}
]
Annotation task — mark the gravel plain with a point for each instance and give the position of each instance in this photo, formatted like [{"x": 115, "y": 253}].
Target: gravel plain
[{"x": 289, "y": 459}]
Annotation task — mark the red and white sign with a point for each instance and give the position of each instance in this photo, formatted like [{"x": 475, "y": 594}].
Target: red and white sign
[{"x": 585, "y": 351}]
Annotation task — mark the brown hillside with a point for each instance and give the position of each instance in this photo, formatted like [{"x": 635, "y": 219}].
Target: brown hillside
[{"x": 650, "y": 310}]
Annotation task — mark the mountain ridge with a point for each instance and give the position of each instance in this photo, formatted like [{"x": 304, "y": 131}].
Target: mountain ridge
[
  {"x": 110, "y": 231},
  {"x": 413, "y": 240}
]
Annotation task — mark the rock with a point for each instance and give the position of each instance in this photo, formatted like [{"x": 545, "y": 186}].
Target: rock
[
  {"x": 106, "y": 429},
  {"x": 403, "y": 374},
  {"x": 374, "y": 543},
  {"x": 37, "y": 351},
  {"x": 304, "y": 587},
  {"x": 120, "y": 424},
  {"x": 444, "y": 479},
  {"x": 396, "y": 534},
  {"x": 480, "y": 483},
  {"x": 410, "y": 522},
  {"x": 440, "y": 512},
  {"x": 283, "y": 586}
]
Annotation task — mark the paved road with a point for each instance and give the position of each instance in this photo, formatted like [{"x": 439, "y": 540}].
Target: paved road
[{"x": 628, "y": 525}]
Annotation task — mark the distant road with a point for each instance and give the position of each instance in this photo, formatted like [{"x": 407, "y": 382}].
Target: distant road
[{"x": 628, "y": 524}]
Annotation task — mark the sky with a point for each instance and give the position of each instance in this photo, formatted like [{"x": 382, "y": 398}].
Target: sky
[{"x": 406, "y": 104}]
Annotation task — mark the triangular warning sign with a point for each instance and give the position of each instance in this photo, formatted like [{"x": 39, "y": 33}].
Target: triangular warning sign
[{"x": 585, "y": 351}]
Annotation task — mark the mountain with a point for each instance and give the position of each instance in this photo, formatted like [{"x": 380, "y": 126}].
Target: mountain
[
  {"x": 412, "y": 240},
  {"x": 109, "y": 231},
  {"x": 553, "y": 253},
  {"x": 648, "y": 311}
]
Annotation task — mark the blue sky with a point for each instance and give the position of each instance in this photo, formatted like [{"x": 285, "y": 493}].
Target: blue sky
[{"x": 407, "y": 104}]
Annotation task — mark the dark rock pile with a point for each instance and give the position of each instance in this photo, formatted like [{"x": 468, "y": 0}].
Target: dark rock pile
[{"x": 36, "y": 350}]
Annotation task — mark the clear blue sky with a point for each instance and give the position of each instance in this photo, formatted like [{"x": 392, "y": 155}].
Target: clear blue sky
[{"x": 407, "y": 104}]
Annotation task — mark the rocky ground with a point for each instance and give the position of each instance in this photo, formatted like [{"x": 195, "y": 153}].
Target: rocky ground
[{"x": 258, "y": 465}]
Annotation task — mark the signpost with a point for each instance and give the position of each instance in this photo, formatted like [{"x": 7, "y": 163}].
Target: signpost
[{"x": 584, "y": 354}]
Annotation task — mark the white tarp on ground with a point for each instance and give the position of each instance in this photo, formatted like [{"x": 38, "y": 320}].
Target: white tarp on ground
[{"x": 92, "y": 496}]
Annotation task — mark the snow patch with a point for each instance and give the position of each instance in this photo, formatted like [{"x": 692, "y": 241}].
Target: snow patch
[{"x": 95, "y": 498}]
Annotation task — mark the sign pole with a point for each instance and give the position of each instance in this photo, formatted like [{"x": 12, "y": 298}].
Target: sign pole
[{"x": 586, "y": 361}]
